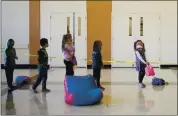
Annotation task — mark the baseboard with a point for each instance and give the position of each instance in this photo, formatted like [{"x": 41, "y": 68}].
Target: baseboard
[
  {"x": 34, "y": 66},
  {"x": 105, "y": 67},
  {"x": 24, "y": 66},
  {"x": 168, "y": 66}
]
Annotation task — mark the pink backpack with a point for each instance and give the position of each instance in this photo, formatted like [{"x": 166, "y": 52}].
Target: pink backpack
[{"x": 149, "y": 70}]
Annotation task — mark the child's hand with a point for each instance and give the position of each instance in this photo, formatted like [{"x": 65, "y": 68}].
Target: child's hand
[{"x": 147, "y": 63}]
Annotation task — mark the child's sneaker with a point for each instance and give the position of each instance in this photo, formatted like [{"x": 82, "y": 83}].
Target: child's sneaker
[
  {"x": 34, "y": 90},
  {"x": 102, "y": 88},
  {"x": 12, "y": 88},
  {"x": 46, "y": 90},
  {"x": 141, "y": 85},
  {"x": 144, "y": 85}
]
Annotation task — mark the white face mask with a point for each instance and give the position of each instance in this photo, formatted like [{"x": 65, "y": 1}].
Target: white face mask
[{"x": 139, "y": 46}]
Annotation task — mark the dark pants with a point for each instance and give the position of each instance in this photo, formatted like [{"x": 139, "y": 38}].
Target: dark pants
[
  {"x": 97, "y": 76},
  {"x": 141, "y": 73},
  {"x": 69, "y": 68},
  {"x": 43, "y": 75},
  {"x": 9, "y": 76}
]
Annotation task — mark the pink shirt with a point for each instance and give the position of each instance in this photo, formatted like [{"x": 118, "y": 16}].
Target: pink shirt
[{"x": 68, "y": 52}]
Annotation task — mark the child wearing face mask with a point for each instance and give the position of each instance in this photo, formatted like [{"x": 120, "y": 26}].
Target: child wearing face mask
[
  {"x": 9, "y": 62},
  {"x": 141, "y": 61}
]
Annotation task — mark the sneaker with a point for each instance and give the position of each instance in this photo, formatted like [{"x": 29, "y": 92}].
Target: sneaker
[
  {"x": 46, "y": 90},
  {"x": 34, "y": 90},
  {"x": 141, "y": 85},
  {"x": 12, "y": 88},
  {"x": 102, "y": 88}
]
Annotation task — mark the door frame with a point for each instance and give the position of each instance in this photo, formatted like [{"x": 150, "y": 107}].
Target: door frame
[
  {"x": 50, "y": 39},
  {"x": 73, "y": 33},
  {"x": 133, "y": 13},
  {"x": 159, "y": 36}
]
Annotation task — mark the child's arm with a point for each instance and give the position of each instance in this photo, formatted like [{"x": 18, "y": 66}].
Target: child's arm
[
  {"x": 146, "y": 57},
  {"x": 10, "y": 53},
  {"x": 15, "y": 54},
  {"x": 68, "y": 47},
  {"x": 41, "y": 57},
  {"x": 99, "y": 59},
  {"x": 140, "y": 57}
]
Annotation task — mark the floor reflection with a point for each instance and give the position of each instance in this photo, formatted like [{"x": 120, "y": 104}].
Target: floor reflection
[
  {"x": 39, "y": 105},
  {"x": 10, "y": 106}
]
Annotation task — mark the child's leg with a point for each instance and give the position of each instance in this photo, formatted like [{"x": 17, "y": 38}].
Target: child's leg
[
  {"x": 67, "y": 67},
  {"x": 9, "y": 75},
  {"x": 39, "y": 78},
  {"x": 12, "y": 75},
  {"x": 96, "y": 75},
  {"x": 141, "y": 76},
  {"x": 7, "y": 71},
  {"x": 45, "y": 79},
  {"x": 99, "y": 76},
  {"x": 71, "y": 68}
]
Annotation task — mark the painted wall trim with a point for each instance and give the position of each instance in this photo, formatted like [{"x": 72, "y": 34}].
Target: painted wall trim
[{"x": 34, "y": 25}]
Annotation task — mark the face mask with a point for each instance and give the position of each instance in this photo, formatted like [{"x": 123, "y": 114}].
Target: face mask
[{"x": 139, "y": 46}]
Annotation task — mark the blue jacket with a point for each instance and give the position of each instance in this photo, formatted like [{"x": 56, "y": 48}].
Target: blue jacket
[{"x": 97, "y": 60}]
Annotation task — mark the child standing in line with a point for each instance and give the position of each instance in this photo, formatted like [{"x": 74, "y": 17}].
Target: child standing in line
[
  {"x": 42, "y": 67},
  {"x": 97, "y": 63},
  {"x": 68, "y": 50},
  {"x": 9, "y": 62},
  {"x": 141, "y": 61}
]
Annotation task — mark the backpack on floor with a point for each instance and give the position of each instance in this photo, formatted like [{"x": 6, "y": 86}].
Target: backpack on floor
[
  {"x": 22, "y": 80},
  {"x": 158, "y": 81}
]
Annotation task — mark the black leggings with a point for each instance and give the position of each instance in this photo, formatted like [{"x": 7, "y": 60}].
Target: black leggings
[
  {"x": 69, "y": 68},
  {"x": 141, "y": 75},
  {"x": 97, "y": 75},
  {"x": 9, "y": 76}
]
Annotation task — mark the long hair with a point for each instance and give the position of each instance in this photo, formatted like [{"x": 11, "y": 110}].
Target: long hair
[
  {"x": 97, "y": 46},
  {"x": 64, "y": 40},
  {"x": 135, "y": 45}
]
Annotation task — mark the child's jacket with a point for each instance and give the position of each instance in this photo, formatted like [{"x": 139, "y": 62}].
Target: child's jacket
[
  {"x": 9, "y": 57},
  {"x": 42, "y": 58},
  {"x": 97, "y": 60},
  {"x": 140, "y": 59}
]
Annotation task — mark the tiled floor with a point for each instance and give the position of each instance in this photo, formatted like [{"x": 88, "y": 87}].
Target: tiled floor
[{"x": 121, "y": 97}]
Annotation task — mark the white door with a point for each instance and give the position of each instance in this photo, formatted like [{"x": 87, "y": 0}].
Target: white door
[
  {"x": 58, "y": 27},
  {"x": 150, "y": 36},
  {"x": 123, "y": 39},
  {"x": 122, "y": 43},
  {"x": 81, "y": 39}
]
